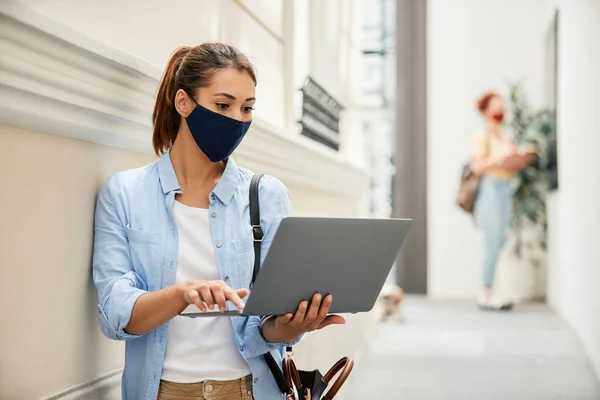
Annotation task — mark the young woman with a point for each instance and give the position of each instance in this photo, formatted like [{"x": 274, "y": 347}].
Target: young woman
[
  {"x": 176, "y": 234},
  {"x": 497, "y": 159}
]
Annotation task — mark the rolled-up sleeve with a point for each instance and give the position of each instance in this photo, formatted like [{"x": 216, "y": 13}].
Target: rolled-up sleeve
[
  {"x": 275, "y": 205},
  {"x": 117, "y": 284},
  {"x": 256, "y": 345}
]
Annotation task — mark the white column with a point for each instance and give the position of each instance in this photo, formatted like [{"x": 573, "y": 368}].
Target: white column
[
  {"x": 348, "y": 76},
  {"x": 324, "y": 43},
  {"x": 297, "y": 17}
]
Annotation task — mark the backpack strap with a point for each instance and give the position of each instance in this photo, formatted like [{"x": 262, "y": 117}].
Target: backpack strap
[{"x": 258, "y": 235}]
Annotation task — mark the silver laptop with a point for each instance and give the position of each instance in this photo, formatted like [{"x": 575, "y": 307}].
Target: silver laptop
[{"x": 347, "y": 258}]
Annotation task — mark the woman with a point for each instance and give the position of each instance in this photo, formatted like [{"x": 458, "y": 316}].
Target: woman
[
  {"x": 497, "y": 160},
  {"x": 176, "y": 234}
]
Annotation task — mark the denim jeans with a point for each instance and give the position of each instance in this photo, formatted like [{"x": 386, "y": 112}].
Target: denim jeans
[{"x": 493, "y": 211}]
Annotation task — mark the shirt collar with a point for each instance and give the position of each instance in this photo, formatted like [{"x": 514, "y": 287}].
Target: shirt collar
[
  {"x": 166, "y": 174},
  {"x": 224, "y": 190},
  {"x": 228, "y": 183}
]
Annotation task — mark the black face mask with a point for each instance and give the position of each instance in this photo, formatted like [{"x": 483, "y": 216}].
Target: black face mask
[{"x": 217, "y": 135}]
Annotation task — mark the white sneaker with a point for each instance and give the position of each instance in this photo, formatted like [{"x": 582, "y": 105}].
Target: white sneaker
[{"x": 493, "y": 303}]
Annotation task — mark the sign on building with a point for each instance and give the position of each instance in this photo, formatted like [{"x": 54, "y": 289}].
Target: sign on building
[{"x": 320, "y": 115}]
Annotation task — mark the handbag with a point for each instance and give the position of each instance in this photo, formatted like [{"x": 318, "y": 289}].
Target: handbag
[
  {"x": 469, "y": 185},
  {"x": 469, "y": 188},
  {"x": 309, "y": 385}
]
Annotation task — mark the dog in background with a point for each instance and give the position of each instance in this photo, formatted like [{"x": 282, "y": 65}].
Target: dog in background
[{"x": 390, "y": 301}]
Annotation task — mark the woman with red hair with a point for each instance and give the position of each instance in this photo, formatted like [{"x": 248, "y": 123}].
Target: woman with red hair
[{"x": 497, "y": 160}]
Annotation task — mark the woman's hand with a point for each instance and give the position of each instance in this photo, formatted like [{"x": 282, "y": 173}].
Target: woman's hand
[
  {"x": 520, "y": 160},
  {"x": 510, "y": 150},
  {"x": 308, "y": 318},
  {"x": 205, "y": 294},
  {"x": 528, "y": 150},
  {"x": 506, "y": 156}
]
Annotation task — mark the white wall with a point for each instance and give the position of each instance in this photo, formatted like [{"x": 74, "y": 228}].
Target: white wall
[
  {"x": 473, "y": 46},
  {"x": 574, "y": 211}
]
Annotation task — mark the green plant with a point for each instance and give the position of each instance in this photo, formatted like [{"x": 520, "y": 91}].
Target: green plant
[{"x": 536, "y": 128}]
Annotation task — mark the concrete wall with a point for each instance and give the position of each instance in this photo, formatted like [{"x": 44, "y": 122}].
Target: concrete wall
[
  {"x": 74, "y": 109},
  {"x": 574, "y": 214},
  {"x": 473, "y": 46}
]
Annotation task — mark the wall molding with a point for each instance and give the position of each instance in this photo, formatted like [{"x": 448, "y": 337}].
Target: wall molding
[
  {"x": 106, "y": 387},
  {"x": 257, "y": 18},
  {"x": 59, "y": 81}
]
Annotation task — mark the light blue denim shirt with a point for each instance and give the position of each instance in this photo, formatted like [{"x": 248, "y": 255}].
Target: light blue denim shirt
[{"x": 136, "y": 251}]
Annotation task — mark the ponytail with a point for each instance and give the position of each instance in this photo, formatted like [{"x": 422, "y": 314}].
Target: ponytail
[{"x": 165, "y": 118}]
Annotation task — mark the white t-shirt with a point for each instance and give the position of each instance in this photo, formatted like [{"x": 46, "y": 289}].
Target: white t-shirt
[{"x": 199, "y": 349}]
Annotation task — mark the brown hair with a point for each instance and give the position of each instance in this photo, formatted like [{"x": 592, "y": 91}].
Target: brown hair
[
  {"x": 484, "y": 101},
  {"x": 190, "y": 68}
]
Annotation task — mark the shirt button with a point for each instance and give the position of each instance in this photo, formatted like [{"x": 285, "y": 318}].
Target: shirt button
[
  {"x": 212, "y": 197},
  {"x": 209, "y": 388},
  {"x": 219, "y": 245},
  {"x": 226, "y": 278},
  {"x": 214, "y": 214},
  {"x": 242, "y": 348},
  {"x": 255, "y": 380}
]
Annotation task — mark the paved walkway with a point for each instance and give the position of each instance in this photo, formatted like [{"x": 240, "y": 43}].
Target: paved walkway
[{"x": 452, "y": 351}]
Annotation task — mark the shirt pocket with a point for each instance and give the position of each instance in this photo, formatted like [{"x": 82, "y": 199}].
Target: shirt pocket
[
  {"x": 143, "y": 248},
  {"x": 141, "y": 236},
  {"x": 244, "y": 255},
  {"x": 244, "y": 244}
]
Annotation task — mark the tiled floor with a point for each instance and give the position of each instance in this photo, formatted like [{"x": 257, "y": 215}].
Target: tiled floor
[{"x": 452, "y": 351}]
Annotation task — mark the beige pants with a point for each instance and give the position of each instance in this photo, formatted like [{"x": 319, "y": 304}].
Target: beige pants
[{"x": 239, "y": 389}]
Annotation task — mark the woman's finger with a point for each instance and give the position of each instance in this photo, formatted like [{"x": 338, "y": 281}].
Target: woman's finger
[
  {"x": 284, "y": 319},
  {"x": 313, "y": 310},
  {"x": 299, "y": 314},
  {"x": 323, "y": 311},
  {"x": 332, "y": 320},
  {"x": 206, "y": 294},
  {"x": 194, "y": 298},
  {"x": 242, "y": 293},
  {"x": 234, "y": 297},
  {"x": 218, "y": 293}
]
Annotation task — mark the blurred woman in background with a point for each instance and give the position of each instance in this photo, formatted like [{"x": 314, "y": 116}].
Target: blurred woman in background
[{"x": 497, "y": 160}]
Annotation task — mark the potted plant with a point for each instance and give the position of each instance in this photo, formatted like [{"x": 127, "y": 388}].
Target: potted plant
[{"x": 530, "y": 127}]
